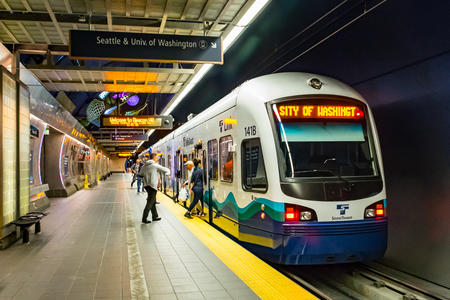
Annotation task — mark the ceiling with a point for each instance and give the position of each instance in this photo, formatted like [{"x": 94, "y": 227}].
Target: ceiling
[{"x": 39, "y": 31}]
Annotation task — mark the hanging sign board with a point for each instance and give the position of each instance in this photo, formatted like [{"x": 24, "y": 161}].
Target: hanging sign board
[
  {"x": 156, "y": 122},
  {"x": 127, "y": 46},
  {"x": 129, "y": 137},
  {"x": 125, "y": 148}
]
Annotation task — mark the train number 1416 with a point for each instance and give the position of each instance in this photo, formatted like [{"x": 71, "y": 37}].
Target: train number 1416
[{"x": 250, "y": 130}]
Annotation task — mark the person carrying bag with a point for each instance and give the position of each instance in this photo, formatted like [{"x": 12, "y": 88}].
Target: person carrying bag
[{"x": 151, "y": 179}]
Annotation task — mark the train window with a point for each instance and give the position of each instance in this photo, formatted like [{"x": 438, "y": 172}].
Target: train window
[
  {"x": 212, "y": 160},
  {"x": 253, "y": 171},
  {"x": 226, "y": 158}
]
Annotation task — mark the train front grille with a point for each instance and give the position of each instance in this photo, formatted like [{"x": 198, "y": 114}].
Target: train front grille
[{"x": 336, "y": 228}]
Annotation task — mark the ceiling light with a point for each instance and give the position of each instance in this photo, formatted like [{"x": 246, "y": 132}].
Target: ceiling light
[
  {"x": 197, "y": 77},
  {"x": 81, "y": 18},
  {"x": 251, "y": 13}
]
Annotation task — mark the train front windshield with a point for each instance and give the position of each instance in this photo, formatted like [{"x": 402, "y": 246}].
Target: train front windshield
[{"x": 323, "y": 140}]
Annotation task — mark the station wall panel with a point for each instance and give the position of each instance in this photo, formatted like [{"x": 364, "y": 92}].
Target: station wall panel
[
  {"x": 14, "y": 151},
  {"x": 24, "y": 148},
  {"x": 9, "y": 148},
  {"x": 118, "y": 165}
]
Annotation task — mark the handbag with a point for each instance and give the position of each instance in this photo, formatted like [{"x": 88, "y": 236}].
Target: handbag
[{"x": 183, "y": 194}]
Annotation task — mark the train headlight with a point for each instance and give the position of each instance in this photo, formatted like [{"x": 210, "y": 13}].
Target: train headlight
[
  {"x": 375, "y": 210},
  {"x": 370, "y": 213},
  {"x": 295, "y": 213},
  {"x": 305, "y": 215}
]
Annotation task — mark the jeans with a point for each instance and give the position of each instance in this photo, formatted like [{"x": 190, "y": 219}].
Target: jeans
[
  {"x": 139, "y": 182},
  {"x": 198, "y": 196},
  {"x": 134, "y": 179},
  {"x": 151, "y": 204}
]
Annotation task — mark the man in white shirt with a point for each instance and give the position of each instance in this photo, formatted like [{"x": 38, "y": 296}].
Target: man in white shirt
[{"x": 150, "y": 173}]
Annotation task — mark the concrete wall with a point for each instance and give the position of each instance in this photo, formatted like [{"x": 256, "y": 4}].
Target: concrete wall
[{"x": 117, "y": 164}]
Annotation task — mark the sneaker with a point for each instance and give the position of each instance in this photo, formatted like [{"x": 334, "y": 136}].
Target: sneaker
[
  {"x": 156, "y": 219},
  {"x": 146, "y": 221}
]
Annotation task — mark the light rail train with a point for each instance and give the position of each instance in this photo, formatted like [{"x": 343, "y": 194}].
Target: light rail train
[{"x": 293, "y": 169}]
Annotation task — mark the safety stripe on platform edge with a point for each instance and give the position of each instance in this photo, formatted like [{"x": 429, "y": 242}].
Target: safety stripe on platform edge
[
  {"x": 138, "y": 284},
  {"x": 265, "y": 281}
]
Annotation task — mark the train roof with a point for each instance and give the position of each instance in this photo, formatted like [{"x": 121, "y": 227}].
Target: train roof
[
  {"x": 275, "y": 86},
  {"x": 269, "y": 87}
]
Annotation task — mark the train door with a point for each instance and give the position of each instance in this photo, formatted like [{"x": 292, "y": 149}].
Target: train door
[
  {"x": 184, "y": 175},
  {"x": 206, "y": 185},
  {"x": 200, "y": 155},
  {"x": 211, "y": 169},
  {"x": 164, "y": 176},
  {"x": 178, "y": 170},
  {"x": 169, "y": 165}
]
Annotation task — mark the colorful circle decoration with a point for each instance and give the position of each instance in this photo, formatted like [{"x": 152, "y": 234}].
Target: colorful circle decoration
[{"x": 133, "y": 100}]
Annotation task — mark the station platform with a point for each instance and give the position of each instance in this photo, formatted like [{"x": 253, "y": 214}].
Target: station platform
[{"x": 94, "y": 246}]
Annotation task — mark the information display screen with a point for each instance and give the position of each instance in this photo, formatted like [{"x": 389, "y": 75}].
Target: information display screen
[
  {"x": 139, "y": 122},
  {"x": 290, "y": 111}
]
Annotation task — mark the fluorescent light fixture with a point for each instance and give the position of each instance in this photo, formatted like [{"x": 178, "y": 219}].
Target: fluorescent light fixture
[
  {"x": 39, "y": 159},
  {"x": 60, "y": 158},
  {"x": 231, "y": 37},
  {"x": 251, "y": 13},
  {"x": 197, "y": 77}
]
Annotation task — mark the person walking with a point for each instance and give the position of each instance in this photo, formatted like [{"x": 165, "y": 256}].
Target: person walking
[
  {"x": 150, "y": 173},
  {"x": 139, "y": 177},
  {"x": 196, "y": 184},
  {"x": 134, "y": 170}
]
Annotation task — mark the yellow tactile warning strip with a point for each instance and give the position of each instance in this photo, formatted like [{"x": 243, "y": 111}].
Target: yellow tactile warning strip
[{"x": 264, "y": 280}]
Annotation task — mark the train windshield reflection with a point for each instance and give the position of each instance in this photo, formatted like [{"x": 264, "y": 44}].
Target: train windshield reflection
[{"x": 324, "y": 148}]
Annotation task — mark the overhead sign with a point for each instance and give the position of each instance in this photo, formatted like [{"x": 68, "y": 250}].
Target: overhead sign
[
  {"x": 129, "y": 137},
  {"x": 129, "y": 46},
  {"x": 320, "y": 111},
  {"x": 127, "y": 154},
  {"x": 125, "y": 148},
  {"x": 156, "y": 122}
]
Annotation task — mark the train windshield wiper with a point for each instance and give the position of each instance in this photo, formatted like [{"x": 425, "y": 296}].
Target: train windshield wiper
[{"x": 326, "y": 171}]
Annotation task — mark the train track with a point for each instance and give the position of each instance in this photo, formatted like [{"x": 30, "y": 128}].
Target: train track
[{"x": 355, "y": 281}]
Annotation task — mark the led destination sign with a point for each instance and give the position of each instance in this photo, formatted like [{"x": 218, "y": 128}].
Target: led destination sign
[
  {"x": 320, "y": 112},
  {"x": 163, "y": 122},
  {"x": 146, "y": 122}
]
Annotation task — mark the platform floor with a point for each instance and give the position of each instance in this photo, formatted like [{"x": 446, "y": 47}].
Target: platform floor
[{"x": 94, "y": 246}]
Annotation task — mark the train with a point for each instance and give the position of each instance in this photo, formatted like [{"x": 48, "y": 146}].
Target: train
[{"x": 292, "y": 169}]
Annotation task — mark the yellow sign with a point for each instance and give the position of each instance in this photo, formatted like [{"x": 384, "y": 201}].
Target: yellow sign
[
  {"x": 230, "y": 121},
  {"x": 86, "y": 182},
  {"x": 139, "y": 121},
  {"x": 123, "y": 154}
]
